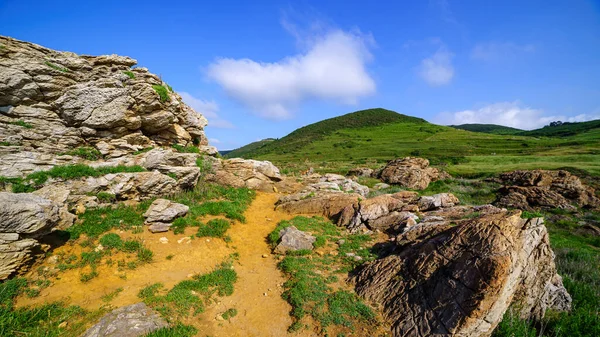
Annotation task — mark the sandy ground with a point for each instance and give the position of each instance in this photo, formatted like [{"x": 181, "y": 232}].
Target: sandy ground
[{"x": 257, "y": 295}]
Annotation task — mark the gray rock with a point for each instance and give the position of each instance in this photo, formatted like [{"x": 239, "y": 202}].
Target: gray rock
[
  {"x": 293, "y": 239},
  {"x": 163, "y": 210},
  {"x": 380, "y": 186},
  {"x": 130, "y": 321},
  {"x": 159, "y": 227},
  {"x": 435, "y": 201}
]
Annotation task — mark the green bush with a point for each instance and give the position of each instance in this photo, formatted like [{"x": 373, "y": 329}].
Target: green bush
[
  {"x": 214, "y": 228},
  {"x": 86, "y": 152},
  {"x": 111, "y": 241},
  {"x": 162, "y": 92}
]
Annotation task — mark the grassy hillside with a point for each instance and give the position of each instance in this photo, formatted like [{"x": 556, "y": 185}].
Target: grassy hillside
[
  {"x": 488, "y": 128},
  {"x": 296, "y": 140},
  {"x": 564, "y": 130},
  {"x": 371, "y": 137},
  {"x": 242, "y": 151}
]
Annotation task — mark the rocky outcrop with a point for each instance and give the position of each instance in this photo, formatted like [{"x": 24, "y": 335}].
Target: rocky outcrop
[
  {"x": 253, "y": 174},
  {"x": 23, "y": 219},
  {"x": 457, "y": 278},
  {"x": 161, "y": 213},
  {"x": 360, "y": 172},
  {"x": 130, "y": 321},
  {"x": 328, "y": 204},
  {"x": 54, "y": 102},
  {"x": 428, "y": 203},
  {"x": 413, "y": 173},
  {"x": 292, "y": 239},
  {"x": 530, "y": 190}
]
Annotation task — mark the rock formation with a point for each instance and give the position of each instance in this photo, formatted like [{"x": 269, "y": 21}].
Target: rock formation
[
  {"x": 530, "y": 190},
  {"x": 457, "y": 278},
  {"x": 161, "y": 213},
  {"x": 24, "y": 218},
  {"x": 413, "y": 173},
  {"x": 53, "y": 102},
  {"x": 253, "y": 174}
]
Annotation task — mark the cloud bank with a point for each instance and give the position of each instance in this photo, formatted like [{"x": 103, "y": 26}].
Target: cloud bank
[
  {"x": 513, "y": 114},
  {"x": 208, "y": 109},
  {"x": 333, "y": 68}
]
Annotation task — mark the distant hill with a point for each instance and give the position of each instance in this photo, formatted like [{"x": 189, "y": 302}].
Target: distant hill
[
  {"x": 488, "y": 128},
  {"x": 563, "y": 130},
  {"x": 318, "y": 131},
  {"x": 242, "y": 151},
  {"x": 378, "y": 135}
]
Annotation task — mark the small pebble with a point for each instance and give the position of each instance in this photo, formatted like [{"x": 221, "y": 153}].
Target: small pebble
[
  {"x": 163, "y": 240},
  {"x": 265, "y": 256},
  {"x": 341, "y": 242},
  {"x": 63, "y": 325}
]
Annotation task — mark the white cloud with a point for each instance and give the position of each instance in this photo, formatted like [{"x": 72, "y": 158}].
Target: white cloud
[
  {"x": 495, "y": 51},
  {"x": 512, "y": 114},
  {"x": 332, "y": 68},
  {"x": 437, "y": 69},
  {"x": 214, "y": 141},
  {"x": 208, "y": 109}
]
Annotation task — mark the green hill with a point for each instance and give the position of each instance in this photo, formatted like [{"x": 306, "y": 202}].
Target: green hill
[
  {"x": 372, "y": 137},
  {"x": 488, "y": 128},
  {"x": 563, "y": 129},
  {"x": 242, "y": 151},
  {"x": 309, "y": 134}
]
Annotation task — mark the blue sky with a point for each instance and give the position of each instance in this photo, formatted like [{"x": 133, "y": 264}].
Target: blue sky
[{"x": 264, "y": 68}]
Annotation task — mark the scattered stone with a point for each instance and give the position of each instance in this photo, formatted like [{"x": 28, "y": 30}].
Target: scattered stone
[
  {"x": 163, "y": 210},
  {"x": 292, "y": 239},
  {"x": 427, "y": 203},
  {"x": 265, "y": 256},
  {"x": 380, "y": 186},
  {"x": 413, "y": 173},
  {"x": 130, "y": 321},
  {"x": 532, "y": 190},
  {"x": 163, "y": 240}
]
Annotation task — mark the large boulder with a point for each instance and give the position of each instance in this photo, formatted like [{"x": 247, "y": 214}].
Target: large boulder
[
  {"x": 413, "y": 173},
  {"x": 130, "y": 321},
  {"x": 328, "y": 204},
  {"x": 253, "y": 174},
  {"x": 457, "y": 278},
  {"x": 530, "y": 190},
  {"x": 162, "y": 212},
  {"x": 292, "y": 239},
  {"x": 24, "y": 218}
]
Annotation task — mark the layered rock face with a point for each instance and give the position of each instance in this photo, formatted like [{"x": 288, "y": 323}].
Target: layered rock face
[
  {"x": 413, "y": 173},
  {"x": 24, "y": 218},
  {"x": 457, "y": 278},
  {"x": 52, "y": 102},
  {"x": 529, "y": 190}
]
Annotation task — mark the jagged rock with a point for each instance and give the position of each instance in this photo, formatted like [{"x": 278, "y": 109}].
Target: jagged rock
[
  {"x": 360, "y": 172},
  {"x": 24, "y": 217},
  {"x": 408, "y": 172},
  {"x": 367, "y": 211},
  {"x": 458, "y": 279},
  {"x": 68, "y": 101},
  {"x": 163, "y": 210},
  {"x": 253, "y": 174},
  {"x": 292, "y": 239},
  {"x": 427, "y": 203},
  {"x": 130, "y": 321},
  {"x": 327, "y": 204},
  {"x": 529, "y": 190},
  {"x": 125, "y": 186}
]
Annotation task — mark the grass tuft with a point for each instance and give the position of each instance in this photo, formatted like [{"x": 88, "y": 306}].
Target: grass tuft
[{"x": 162, "y": 92}]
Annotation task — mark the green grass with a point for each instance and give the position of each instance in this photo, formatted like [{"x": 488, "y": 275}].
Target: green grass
[
  {"x": 230, "y": 313},
  {"x": 129, "y": 74},
  {"x": 246, "y": 149},
  {"x": 100, "y": 220},
  {"x": 186, "y": 149},
  {"x": 308, "y": 288},
  {"x": 179, "y": 330},
  {"x": 162, "y": 92},
  {"x": 22, "y": 124},
  {"x": 86, "y": 152},
  {"x": 190, "y": 297},
  {"x": 144, "y": 150},
  {"x": 38, "y": 321},
  {"x": 65, "y": 172},
  {"x": 106, "y": 197},
  {"x": 111, "y": 296},
  {"x": 56, "y": 67},
  {"x": 214, "y": 228}
]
